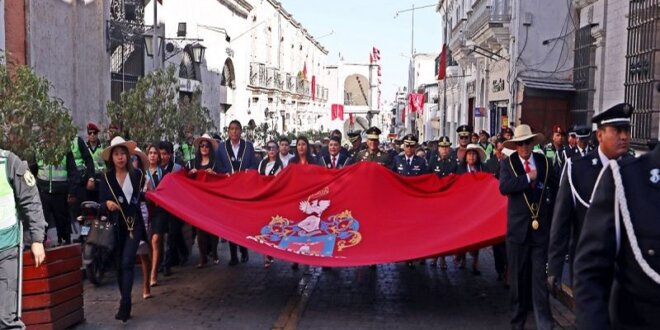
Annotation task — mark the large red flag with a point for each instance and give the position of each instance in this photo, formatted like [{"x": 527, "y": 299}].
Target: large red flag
[
  {"x": 442, "y": 66},
  {"x": 360, "y": 215}
]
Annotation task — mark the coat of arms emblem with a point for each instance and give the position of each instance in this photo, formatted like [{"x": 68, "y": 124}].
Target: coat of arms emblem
[{"x": 314, "y": 235}]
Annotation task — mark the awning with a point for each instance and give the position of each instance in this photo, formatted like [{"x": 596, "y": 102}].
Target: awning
[{"x": 547, "y": 84}]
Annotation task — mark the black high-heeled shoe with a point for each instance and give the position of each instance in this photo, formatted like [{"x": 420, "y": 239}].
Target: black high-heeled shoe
[{"x": 124, "y": 313}]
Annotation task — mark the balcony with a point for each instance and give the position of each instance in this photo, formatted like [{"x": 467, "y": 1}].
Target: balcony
[
  {"x": 457, "y": 40},
  {"x": 258, "y": 75},
  {"x": 279, "y": 81},
  {"x": 271, "y": 73},
  {"x": 488, "y": 24},
  {"x": 290, "y": 83}
]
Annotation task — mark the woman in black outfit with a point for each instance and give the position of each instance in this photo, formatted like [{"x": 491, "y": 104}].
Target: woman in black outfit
[
  {"x": 270, "y": 165},
  {"x": 119, "y": 195},
  {"x": 205, "y": 147}
]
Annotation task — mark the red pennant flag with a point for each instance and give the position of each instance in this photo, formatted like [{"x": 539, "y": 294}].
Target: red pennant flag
[
  {"x": 371, "y": 58},
  {"x": 442, "y": 66},
  {"x": 340, "y": 111},
  {"x": 318, "y": 221},
  {"x": 313, "y": 88},
  {"x": 337, "y": 111}
]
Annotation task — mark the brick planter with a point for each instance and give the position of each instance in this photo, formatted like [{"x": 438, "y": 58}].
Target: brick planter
[{"x": 53, "y": 293}]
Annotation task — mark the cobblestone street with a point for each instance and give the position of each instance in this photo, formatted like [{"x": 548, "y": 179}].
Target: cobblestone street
[{"x": 251, "y": 297}]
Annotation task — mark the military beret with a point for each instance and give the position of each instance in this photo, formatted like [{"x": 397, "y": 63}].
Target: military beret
[
  {"x": 464, "y": 130},
  {"x": 618, "y": 115},
  {"x": 557, "y": 129},
  {"x": 507, "y": 130},
  {"x": 92, "y": 127},
  {"x": 373, "y": 133}
]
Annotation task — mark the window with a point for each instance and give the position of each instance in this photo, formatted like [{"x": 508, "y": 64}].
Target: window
[
  {"x": 583, "y": 75},
  {"x": 642, "y": 70}
]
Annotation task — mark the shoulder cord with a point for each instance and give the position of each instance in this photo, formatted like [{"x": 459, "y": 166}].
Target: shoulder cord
[
  {"x": 129, "y": 223},
  {"x": 569, "y": 171},
  {"x": 621, "y": 204},
  {"x": 545, "y": 181}
]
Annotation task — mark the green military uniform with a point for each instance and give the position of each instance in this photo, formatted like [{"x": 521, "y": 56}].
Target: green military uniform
[
  {"x": 19, "y": 199},
  {"x": 379, "y": 156}
]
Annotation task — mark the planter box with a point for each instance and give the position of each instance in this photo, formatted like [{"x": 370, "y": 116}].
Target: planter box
[{"x": 53, "y": 293}]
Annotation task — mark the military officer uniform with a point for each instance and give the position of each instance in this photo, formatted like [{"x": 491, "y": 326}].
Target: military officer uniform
[
  {"x": 19, "y": 199},
  {"x": 378, "y": 156},
  {"x": 556, "y": 155},
  {"x": 617, "y": 262},
  {"x": 442, "y": 166},
  {"x": 409, "y": 166},
  {"x": 574, "y": 195},
  {"x": 463, "y": 131}
]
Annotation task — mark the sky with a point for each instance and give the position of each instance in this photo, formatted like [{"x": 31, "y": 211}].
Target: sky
[{"x": 359, "y": 25}]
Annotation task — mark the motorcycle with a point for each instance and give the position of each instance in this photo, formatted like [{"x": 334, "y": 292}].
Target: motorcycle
[{"x": 96, "y": 259}]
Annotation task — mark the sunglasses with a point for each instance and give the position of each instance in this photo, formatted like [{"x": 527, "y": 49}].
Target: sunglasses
[
  {"x": 272, "y": 148},
  {"x": 92, "y": 133},
  {"x": 464, "y": 137},
  {"x": 524, "y": 143},
  {"x": 205, "y": 145}
]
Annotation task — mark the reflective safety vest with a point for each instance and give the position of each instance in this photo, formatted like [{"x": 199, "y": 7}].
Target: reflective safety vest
[
  {"x": 188, "y": 152},
  {"x": 50, "y": 173},
  {"x": 77, "y": 155},
  {"x": 9, "y": 229},
  {"x": 99, "y": 163}
]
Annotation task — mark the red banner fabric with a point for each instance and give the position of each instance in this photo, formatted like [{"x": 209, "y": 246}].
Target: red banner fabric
[
  {"x": 337, "y": 111},
  {"x": 442, "y": 67},
  {"x": 360, "y": 215},
  {"x": 416, "y": 102}
]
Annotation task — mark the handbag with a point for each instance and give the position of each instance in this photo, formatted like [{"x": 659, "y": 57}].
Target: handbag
[{"x": 102, "y": 234}]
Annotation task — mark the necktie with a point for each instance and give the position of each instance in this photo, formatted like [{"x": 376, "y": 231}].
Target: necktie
[
  {"x": 334, "y": 161},
  {"x": 409, "y": 161},
  {"x": 527, "y": 168}
]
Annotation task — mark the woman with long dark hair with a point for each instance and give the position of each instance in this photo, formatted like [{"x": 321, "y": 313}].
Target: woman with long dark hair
[
  {"x": 157, "y": 219},
  {"x": 141, "y": 161},
  {"x": 303, "y": 154},
  {"x": 119, "y": 195},
  {"x": 270, "y": 165},
  {"x": 205, "y": 147}
]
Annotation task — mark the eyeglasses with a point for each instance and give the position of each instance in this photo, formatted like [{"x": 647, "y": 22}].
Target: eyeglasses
[
  {"x": 92, "y": 133},
  {"x": 524, "y": 143},
  {"x": 204, "y": 145}
]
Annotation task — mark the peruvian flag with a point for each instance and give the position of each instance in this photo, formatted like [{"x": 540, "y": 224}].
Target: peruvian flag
[
  {"x": 376, "y": 53},
  {"x": 416, "y": 102},
  {"x": 337, "y": 111},
  {"x": 442, "y": 66}
]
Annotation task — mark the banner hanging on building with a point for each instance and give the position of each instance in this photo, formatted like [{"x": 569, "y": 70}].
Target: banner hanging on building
[{"x": 360, "y": 215}]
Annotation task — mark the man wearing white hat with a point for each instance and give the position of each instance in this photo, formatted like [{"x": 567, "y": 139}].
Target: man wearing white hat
[{"x": 528, "y": 181}]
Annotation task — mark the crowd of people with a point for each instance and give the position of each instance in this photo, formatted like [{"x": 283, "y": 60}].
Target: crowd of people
[{"x": 548, "y": 186}]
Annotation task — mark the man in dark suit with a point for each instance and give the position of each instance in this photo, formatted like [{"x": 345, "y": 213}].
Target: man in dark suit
[
  {"x": 577, "y": 184},
  {"x": 528, "y": 181},
  {"x": 233, "y": 156},
  {"x": 617, "y": 285},
  {"x": 334, "y": 158}
]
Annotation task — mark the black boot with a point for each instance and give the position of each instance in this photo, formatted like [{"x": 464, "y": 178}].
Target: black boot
[{"x": 124, "y": 312}]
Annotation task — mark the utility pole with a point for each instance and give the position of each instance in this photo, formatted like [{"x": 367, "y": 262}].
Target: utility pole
[
  {"x": 444, "y": 103},
  {"x": 154, "y": 41}
]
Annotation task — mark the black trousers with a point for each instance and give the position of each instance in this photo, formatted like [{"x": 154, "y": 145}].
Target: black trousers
[
  {"x": 126, "y": 251},
  {"x": 176, "y": 245},
  {"x": 9, "y": 290},
  {"x": 233, "y": 251},
  {"x": 56, "y": 212},
  {"x": 527, "y": 275},
  {"x": 499, "y": 254}
]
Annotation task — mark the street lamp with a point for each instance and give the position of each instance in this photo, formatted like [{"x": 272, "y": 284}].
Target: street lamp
[
  {"x": 198, "y": 52},
  {"x": 149, "y": 44}
]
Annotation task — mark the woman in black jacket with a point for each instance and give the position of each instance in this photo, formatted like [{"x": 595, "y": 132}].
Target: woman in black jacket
[{"x": 119, "y": 195}]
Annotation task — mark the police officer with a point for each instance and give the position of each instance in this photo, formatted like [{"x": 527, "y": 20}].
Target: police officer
[
  {"x": 442, "y": 164},
  {"x": 555, "y": 150},
  {"x": 373, "y": 153},
  {"x": 95, "y": 150},
  {"x": 464, "y": 133},
  {"x": 409, "y": 164},
  {"x": 577, "y": 184},
  {"x": 19, "y": 199},
  {"x": 356, "y": 145},
  {"x": 58, "y": 187},
  {"x": 617, "y": 284},
  {"x": 582, "y": 148}
]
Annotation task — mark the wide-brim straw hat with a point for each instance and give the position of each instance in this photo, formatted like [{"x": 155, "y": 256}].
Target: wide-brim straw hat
[
  {"x": 524, "y": 133},
  {"x": 143, "y": 157},
  {"x": 208, "y": 138},
  {"x": 118, "y": 141},
  {"x": 478, "y": 149}
]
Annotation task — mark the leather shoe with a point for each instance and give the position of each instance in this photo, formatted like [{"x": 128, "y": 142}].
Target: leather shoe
[{"x": 233, "y": 262}]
